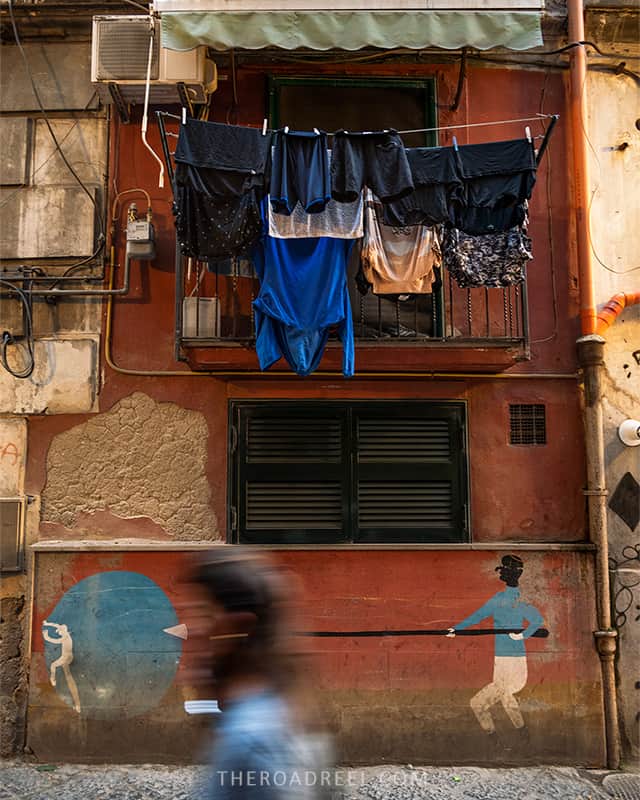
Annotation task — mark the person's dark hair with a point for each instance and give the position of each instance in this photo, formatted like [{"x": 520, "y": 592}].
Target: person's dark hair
[{"x": 252, "y": 588}]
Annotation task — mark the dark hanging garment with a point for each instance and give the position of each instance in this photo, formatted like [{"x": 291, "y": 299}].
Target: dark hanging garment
[
  {"x": 498, "y": 178},
  {"x": 374, "y": 159},
  {"x": 300, "y": 172},
  {"x": 220, "y": 177},
  {"x": 437, "y": 185},
  {"x": 238, "y": 152},
  {"x": 490, "y": 260},
  {"x": 214, "y": 226}
]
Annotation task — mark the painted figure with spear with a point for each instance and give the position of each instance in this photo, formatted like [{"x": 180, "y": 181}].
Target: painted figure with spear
[{"x": 510, "y": 661}]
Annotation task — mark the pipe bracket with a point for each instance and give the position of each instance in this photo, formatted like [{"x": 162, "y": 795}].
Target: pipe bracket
[{"x": 606, "y": 643}]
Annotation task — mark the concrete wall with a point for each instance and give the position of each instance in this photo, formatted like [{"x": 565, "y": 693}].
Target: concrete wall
[
  {"x": 615, "y": 216},
  {"x": 47, "y": 221}
]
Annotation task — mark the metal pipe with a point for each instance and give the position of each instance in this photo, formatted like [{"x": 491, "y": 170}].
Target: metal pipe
[
  {"x": 590, "y": 356},
  {"x": 581, "y": 182},
  {"x": 124, "y": 289}
]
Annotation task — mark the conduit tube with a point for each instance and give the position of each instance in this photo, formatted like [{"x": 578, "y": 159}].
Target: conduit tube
[
  {"x": 612, "y": 310},
  {"x": 581, "y": 182},
  {"x": 591, "y": 359}
]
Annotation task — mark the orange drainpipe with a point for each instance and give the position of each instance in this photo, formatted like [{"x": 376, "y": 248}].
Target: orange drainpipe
[
  {"x": 582, "y": 186},
  {"x": 614, "y": 308}
]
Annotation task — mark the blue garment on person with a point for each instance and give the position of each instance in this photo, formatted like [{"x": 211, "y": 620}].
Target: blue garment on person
[
  {"x": 508, "y": 612},
  {"x": 255, "y": 755},
  {"x": 303, "y": 293}
]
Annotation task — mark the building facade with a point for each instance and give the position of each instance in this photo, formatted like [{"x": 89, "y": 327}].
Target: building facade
[{"x": 144, "y": 430}]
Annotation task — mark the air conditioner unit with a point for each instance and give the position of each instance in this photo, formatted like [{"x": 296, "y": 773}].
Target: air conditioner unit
[{"x": 119, "y": 57}]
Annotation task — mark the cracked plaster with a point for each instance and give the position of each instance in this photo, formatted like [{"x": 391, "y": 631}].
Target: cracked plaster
[{"x": 140, "y": 459}]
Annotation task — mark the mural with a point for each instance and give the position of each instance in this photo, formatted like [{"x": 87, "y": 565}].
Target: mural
[
  {"x": 66, "y": 657},
  {"x": 119, "y": 631},
  {"x": 111, "y": 648},
  {"x": 510, "y": 660}
]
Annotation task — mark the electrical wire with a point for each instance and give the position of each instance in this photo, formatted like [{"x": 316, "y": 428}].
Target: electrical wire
[
  {"x": 101, "y": 237},
  {"x": 47, "y": 121},
  {"x": 138, "y": 5},
  {"x": 9, "y": 339},
  {"x": 232, "y": 111}
]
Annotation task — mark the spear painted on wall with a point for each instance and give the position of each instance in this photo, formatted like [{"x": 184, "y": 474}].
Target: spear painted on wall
[{"x": 541, "y": 633}]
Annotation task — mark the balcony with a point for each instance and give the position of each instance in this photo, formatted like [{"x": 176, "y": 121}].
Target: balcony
[{"x": 482, "y": 330}]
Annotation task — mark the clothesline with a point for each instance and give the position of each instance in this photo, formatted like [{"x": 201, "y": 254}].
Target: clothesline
[{"x": 536, "y": 118}]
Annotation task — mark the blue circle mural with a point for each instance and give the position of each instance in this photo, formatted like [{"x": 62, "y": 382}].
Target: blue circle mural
[{"x": 112, "y": 645}]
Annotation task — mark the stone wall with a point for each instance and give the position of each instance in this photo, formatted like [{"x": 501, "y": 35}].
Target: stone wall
[
  {"x": 614, "y": 129},
  {"x": 47, "y": 221}
]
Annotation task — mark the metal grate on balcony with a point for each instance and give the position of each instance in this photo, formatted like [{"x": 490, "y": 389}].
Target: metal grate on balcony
[{"x": 215, "y": 307}]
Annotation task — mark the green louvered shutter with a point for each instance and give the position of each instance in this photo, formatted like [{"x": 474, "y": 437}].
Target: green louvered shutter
[
  {"x": 410, "y": 478},
  {"x": 316, "y": 472}
]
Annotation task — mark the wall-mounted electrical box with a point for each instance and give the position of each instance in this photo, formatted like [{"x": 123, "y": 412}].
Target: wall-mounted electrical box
[{"x": 12, "y": 519}]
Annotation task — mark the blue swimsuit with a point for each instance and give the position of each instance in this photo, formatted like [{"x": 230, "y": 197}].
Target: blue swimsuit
[{"x": 303, "y": 293}]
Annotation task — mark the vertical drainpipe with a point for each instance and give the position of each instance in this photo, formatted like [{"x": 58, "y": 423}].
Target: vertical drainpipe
[{"x": 591, "y": 359}]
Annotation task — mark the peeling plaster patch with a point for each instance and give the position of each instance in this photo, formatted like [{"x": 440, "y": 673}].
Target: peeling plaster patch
[{"x": 140, "y": 459}]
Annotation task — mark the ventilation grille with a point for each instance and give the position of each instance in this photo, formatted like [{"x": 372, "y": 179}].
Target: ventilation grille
[
  {"x": 528, "y": 424},
  {"x": 289, "y": 506},
  {"x": 123, "y": 50},
  {"x": 404, "y": 504},
  {"x": 309, "y": 439},
  {"x": 403, "y": 440}
]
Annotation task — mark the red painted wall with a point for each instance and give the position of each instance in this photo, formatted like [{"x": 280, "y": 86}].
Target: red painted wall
[{"x": 385, "y": 698}]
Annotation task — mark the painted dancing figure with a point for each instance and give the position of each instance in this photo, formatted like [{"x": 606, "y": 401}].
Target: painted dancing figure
[
  {"x": 510, "y": 662},
  {"x": 66, "y": 657}
]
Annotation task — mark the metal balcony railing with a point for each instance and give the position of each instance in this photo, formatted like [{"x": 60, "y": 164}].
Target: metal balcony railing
[{"x": 214, "y": 307}]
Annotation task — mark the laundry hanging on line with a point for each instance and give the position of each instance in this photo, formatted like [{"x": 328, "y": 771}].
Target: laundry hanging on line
[
  {"x": 223, "y": 171},
  {"x": 303, "y": 295},
  {"x": 280, "y": 198},
  {"x": 397, "y": 260}
]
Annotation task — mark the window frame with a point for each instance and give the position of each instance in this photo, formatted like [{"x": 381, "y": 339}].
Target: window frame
[
  {"x": 455, "y": 411},
  {"x": 428, "y": 86}
]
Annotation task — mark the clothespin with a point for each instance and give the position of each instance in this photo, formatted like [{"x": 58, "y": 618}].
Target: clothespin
[
  {"x": 286, "y": 129},
  {"x": 184, "y": 115},
  {"x": 316, "y": 131},
  {"x": 455, "y": 143},
  {"x": 527, "y": 133},
  {"x": 264, "y": 126}
]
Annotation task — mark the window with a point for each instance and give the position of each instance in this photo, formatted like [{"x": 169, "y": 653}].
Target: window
[
  {"x": 317, "y": 472},
  {"x": 356, "y": 104}
]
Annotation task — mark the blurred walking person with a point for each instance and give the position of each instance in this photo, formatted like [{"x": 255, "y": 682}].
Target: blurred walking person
[{"x": 261, "y": 749}]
